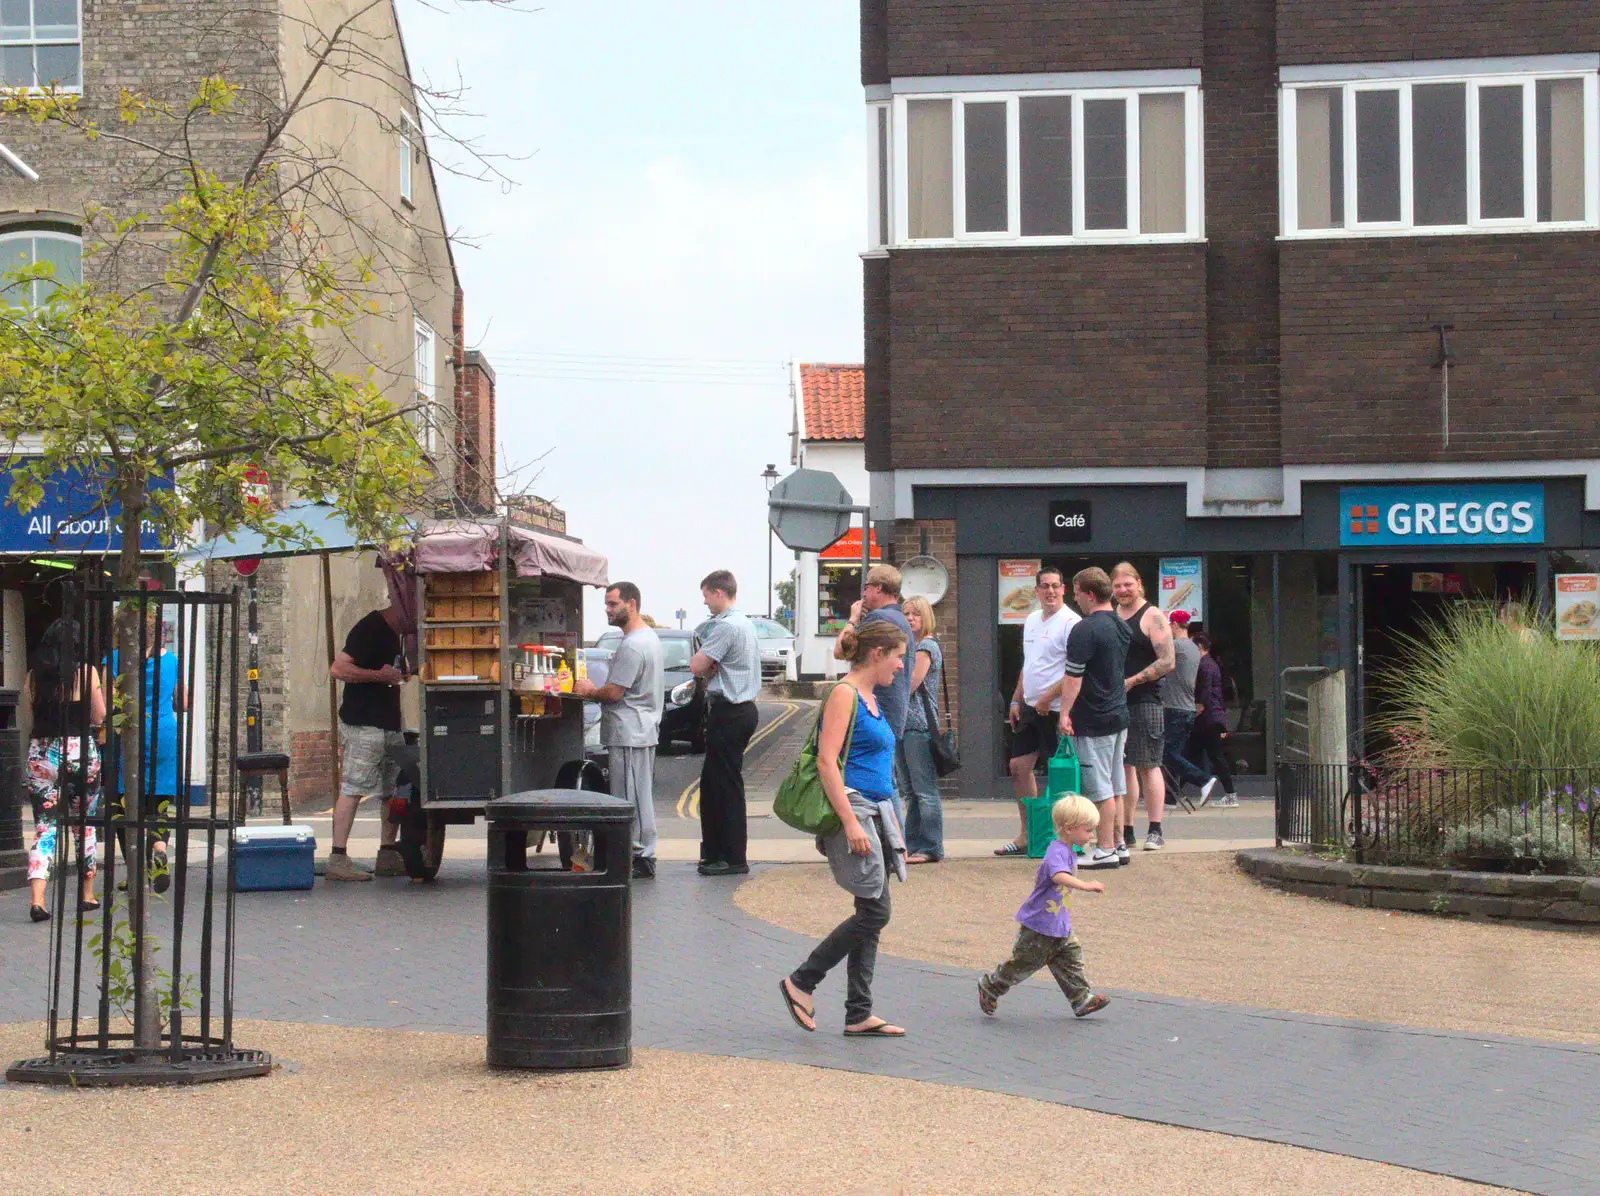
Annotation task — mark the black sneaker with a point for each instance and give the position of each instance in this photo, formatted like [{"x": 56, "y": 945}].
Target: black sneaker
[
  {"x": 644, "y": 867},
  {"x": 722, "y": 869}
]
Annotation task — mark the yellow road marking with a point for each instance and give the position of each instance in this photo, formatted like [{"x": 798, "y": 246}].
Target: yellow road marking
[{"x": 689, "y": 799}]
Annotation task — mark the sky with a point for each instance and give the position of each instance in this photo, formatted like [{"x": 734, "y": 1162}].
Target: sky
[{"x": 687, "y": 217}]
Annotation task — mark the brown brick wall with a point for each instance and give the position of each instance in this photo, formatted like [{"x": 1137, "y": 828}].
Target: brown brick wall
[
  {"x": 875, "y": 312},
  {"x": 1082, "y": 356},
  {"x": 1313, "y": 31},
  {"x": 1358, "y": 382},
  {"x": 310, "y": 765},
  {"x": 874, "y": 42},
  {"x": 1241, "y": 223},
  {"x": 981, "y": 37}
]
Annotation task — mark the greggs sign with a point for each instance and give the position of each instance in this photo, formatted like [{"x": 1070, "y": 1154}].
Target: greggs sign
[{"x": 1376, "y": 516}]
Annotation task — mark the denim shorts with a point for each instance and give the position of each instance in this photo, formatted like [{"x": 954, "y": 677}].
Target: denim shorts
[{"x": 1100, "y": 762}]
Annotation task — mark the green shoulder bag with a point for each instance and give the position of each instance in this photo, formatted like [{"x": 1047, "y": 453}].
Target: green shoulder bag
[{"x": 801, "y": 801}]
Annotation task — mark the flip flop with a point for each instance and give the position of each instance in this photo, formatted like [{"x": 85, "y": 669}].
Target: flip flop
[
  {"x": 1010, "y": 849},
  {"x": 881, "y": 1030},
  {"x": 795, "y": 1008},
  {"x": 919, "y": 858}
]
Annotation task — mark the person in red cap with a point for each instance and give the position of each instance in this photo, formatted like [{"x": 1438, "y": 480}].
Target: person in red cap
[{"x": 1178, "y": 709}]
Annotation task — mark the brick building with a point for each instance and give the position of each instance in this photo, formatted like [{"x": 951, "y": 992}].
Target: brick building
[
  {"x": 1291, "y": 304},
  {"x": 362, "y": 128}
]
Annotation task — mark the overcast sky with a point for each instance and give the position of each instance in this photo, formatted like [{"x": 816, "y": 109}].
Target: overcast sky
[{"x": 691, "y": 213}]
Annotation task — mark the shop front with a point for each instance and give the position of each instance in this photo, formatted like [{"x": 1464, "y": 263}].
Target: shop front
[{"x": 1323, "y": 595}]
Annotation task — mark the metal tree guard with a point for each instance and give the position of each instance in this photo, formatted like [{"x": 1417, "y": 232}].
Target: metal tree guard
[{"x": 116, "y": 1018}]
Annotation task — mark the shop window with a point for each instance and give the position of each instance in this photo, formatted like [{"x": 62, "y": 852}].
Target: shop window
[{"x": 1473, "y": 153}]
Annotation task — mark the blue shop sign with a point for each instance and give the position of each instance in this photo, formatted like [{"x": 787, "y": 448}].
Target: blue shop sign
[
  {"x": 74, "y": 517},
  {"x": 1378, "y": 516}
]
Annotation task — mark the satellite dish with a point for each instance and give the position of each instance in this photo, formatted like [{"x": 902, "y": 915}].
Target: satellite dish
[{"x": 924, "y": 577}]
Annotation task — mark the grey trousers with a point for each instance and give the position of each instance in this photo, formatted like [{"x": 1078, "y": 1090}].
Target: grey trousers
[
  {"x": 633, "y": 779},
  {"x": 855, "y": 939}
]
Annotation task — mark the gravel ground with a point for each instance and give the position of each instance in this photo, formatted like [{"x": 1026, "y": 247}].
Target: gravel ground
[
  {"x": 1194, "y": 926},
  {"x": 364, "y": 1111}
]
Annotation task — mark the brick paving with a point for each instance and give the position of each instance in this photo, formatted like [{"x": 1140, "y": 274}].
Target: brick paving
[{"x": 390, "y": 955}]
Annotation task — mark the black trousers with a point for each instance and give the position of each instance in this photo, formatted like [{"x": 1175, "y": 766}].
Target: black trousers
[
  {"x": 723, "y": 829},
  {"x": 856, "y": 941},
  {"x": 1210, "y": 750}
]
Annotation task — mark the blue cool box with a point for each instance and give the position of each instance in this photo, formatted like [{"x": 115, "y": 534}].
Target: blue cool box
[{"x": 273, "y": 858}]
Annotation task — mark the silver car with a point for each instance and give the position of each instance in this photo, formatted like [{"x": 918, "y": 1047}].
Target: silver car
[{"x": 777, "y": 646}]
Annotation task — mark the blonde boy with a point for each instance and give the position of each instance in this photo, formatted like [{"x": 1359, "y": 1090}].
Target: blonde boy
[{"x": 1046, "y": 939}]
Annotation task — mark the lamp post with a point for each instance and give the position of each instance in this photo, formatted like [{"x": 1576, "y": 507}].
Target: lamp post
[{"x": 770, "y": 476}]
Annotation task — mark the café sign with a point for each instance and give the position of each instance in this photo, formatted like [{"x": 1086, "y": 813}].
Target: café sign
[{"x": 1419, "y": 516}]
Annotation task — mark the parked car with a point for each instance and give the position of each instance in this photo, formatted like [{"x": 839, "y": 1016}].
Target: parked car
[
  {"x": 597, "y": 661},
  {"x": 683, "y": 722},
  {"x": 777, "y": 646}
]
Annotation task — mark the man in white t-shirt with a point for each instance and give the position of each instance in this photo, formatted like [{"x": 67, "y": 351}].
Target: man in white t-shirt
[{"x": 1036, "y": 704}]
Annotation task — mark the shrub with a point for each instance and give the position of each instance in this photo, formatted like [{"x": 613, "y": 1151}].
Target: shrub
[{"x": 1538, "y": 837}]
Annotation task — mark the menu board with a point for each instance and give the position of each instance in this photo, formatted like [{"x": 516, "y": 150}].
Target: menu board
[
  {"x": 1578, "y": 606},
  {"x": 1182, "y": 586},
  {"x": 1018, "y": 598}
]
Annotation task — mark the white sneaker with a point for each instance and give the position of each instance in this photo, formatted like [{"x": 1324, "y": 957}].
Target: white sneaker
[
  {"x": 1122, "y": 854},
  {"x": 1228, "y": 801},
  {"x": 1102, "y": 858},
  {"x": 1205, "y": 793}
]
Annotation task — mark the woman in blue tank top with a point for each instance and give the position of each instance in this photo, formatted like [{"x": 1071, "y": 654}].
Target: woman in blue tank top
[{"x": 859, "y": 783}]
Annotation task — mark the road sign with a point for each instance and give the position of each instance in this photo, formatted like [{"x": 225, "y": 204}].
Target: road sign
[{"x": 809, "y": 510}]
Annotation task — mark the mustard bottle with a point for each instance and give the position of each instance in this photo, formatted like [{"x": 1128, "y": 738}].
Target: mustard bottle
[{"x": 564, "y": 677}]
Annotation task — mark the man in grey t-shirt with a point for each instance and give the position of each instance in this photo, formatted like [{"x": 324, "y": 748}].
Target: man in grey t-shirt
[
  {"x": 730, "y": 660},
  {"x": 1177, "y": 701},
  {"x": 630, "y": 717}
]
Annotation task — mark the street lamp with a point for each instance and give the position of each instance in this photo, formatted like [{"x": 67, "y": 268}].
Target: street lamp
[{"x": 770, "y": 476}]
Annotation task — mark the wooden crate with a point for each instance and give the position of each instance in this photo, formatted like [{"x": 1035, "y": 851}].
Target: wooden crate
[
  {"x": 480, "y": 663},
  {"x": 463, "y": 609},
  {"x": 454, "y": 584},
  {"x": 462, "y": 637}
]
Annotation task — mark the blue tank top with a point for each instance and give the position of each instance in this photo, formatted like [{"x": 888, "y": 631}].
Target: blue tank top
[{"x": 870, "y": 766}]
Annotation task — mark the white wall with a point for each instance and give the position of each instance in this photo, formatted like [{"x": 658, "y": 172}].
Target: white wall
[{"x": 846, "y": 460}]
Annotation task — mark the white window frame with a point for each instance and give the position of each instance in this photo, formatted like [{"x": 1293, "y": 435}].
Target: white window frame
[
  {"x": 424, "y": 378},
  {"x": 410, "y": 139},
  {"x": 1288, "y": 174},
  {"x": 878, "y": 200},
  {"x": 1194, "y": 168},
  {"x": 33, "y": 233},
  {"x": 34, "y": 42}
]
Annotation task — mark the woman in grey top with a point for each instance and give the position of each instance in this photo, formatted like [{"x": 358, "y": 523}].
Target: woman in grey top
[{"x": 918, "y": 777}]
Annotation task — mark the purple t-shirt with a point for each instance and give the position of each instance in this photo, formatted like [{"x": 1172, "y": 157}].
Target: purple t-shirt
[{"x": 1046, "y": 909}]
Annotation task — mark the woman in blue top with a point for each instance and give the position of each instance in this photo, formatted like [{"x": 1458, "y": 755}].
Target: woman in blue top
[
  {"x": 868, "y": 843},
  {"x": 164, "y": 702}
]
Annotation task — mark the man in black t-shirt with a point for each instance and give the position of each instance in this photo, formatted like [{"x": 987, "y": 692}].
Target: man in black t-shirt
[
  {"x": 1094, "y": 704},
  {"x": 372, "y": 666}
]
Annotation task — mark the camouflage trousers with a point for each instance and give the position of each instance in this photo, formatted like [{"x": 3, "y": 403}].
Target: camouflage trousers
[{"x": 1032, "y": 951}]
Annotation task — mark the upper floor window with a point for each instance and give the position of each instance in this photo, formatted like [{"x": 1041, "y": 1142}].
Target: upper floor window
[
  {"x": 1088, "y": 164},
  {"x": 1440, "y": 153},
  {"x": 40, "y": 44},
  {"x": 425, "y": 387},
  {"x": 23, "y": 248},
  {"x": 410, "y": 154}
]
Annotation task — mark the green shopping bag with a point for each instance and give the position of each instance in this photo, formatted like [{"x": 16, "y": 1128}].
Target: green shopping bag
[
  {"x": 1063, "y": 776},
  {"x": 801, "y": 802}
]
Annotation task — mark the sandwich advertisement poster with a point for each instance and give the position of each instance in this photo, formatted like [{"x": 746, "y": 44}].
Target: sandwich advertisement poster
[
  {"x": 1018, "y": 597},
  {"x": 1182, "y": 586},
  {"x": 1578, "y": 606}
]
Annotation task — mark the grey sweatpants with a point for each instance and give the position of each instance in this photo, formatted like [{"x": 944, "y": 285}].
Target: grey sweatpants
[{"x": 633, "y": 779}]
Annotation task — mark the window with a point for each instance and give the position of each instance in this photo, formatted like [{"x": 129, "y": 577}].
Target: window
[
  {"x": 410, "y": 155},
  {"x": 28, "y": 247},
  {"x": 878, "y": 176},
  {"x": 426, "y": 391},
  {"x": 991, "y": 168},
  {"x": 40, "y": 44},
  {"x": 1437, "y": 153}
]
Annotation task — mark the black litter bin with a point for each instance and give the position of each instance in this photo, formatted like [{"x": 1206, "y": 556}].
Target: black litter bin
[
  {"x": 560, "y": 948},
  {"x": 13, "y": 794}
]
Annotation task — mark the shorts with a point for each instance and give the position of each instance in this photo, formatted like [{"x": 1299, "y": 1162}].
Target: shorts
[
  {"x": 1147, "y": 741},
  {"x": 368, "y": 764},
  {"x": 1100, "y": 765},
  {"x": 1036, "y": 734}
]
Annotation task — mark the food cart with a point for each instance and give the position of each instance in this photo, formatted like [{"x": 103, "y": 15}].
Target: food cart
[{"x": 499, "y": 619}]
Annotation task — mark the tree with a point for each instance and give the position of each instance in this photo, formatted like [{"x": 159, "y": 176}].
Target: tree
[
  {"x": 785, "y": 590},
  {"x": 205, "y": 345}
]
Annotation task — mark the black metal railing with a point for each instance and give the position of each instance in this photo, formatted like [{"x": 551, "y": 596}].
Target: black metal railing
[{"x": 1494, "y": 819}]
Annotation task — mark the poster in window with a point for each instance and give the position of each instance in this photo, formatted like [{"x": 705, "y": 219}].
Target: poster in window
[
  {"x": 1018, "y": 596},
  {"x": 1578, "y": 606},
  {"x": 1182, "y": 586}
]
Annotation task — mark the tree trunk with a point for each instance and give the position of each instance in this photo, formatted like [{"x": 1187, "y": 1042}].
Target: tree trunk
[{"x": 147, "y": 1021}]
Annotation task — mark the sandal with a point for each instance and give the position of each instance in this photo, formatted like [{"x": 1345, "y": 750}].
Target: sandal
[
  {"x": 1011, "y": 848},
  {"x": 161, "y": 870},
  {"x": 796, "y": 1010},
  {"x": 987, "y": 1001},
  {"x": 881, "y": 1030},
  {"x": 922, "y": 857},
  {"x": 1093, "y": 1005}
]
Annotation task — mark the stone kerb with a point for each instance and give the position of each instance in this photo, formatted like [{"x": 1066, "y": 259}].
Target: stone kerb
[{"x": 1563, "y": 900}]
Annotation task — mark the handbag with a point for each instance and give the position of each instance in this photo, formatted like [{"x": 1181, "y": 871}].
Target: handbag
[
  {"x": 802, "y": 802},
  {"x": 942, "y": 743}
]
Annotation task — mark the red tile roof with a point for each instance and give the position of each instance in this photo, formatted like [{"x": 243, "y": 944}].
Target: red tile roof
[{"x": 834, "y": 398}]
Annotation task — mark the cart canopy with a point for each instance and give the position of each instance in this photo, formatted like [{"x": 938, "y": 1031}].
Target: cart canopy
[{"x": 467, "y": 546}]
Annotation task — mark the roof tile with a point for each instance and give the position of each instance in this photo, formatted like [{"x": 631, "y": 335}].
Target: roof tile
[{"x": 834, "y": 400}]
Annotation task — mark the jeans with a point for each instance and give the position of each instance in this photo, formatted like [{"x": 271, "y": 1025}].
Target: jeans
[
  {"x": 855, "y": 939},
  {"x": 1179, "y": 724},
  {"x": 1209, "y": 746},
  {"x": 723, "y": 829},
  {"x": 1033, "y": 951},
  {"x": 924, "y": 820}
]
